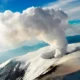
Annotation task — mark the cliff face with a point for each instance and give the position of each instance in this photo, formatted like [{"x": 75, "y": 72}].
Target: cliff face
[{"x": 33, "y": 67}]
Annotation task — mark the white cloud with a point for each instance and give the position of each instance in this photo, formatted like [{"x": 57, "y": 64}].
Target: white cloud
[
  {"x": 73, "y": 10},
  {"x": 71, "y": 7},
  {"x": 58, "y": 4},
  {"x": 44, "y": 24},
  {"x": 74, "y": 13}
]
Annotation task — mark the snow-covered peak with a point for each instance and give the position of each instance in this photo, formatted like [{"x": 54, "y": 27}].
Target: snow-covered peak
[{"x": 31, "y": 65}]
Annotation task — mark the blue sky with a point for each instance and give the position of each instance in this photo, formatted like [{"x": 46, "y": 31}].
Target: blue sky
[
  {"x": 20, "y": 5},
  {"x": 71, "y": 7}
]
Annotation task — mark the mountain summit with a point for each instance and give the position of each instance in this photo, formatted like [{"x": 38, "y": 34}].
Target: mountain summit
[{"x": 33, "y": 67}]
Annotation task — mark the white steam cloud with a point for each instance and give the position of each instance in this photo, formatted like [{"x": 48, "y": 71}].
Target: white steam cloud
[{"x": 45, "y": 24}]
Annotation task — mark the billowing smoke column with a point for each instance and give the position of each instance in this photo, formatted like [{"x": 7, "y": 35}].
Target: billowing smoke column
[{"x": 46, "y": 24}]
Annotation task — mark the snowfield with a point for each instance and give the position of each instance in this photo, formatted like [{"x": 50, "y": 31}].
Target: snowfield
[{"x": 33, "y": 67}]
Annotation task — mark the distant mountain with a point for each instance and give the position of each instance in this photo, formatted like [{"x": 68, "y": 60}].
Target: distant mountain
[
  {"x": 73, "y": 39},
  {"x": 20, "y": 51},
  {"x": 74, "y": 22}
]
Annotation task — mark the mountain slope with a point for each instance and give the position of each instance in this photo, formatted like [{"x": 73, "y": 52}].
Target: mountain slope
[{"x": 31, "y": 66}]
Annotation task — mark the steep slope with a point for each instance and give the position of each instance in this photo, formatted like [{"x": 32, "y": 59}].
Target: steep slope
[{"x": 33, "y": 67}]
